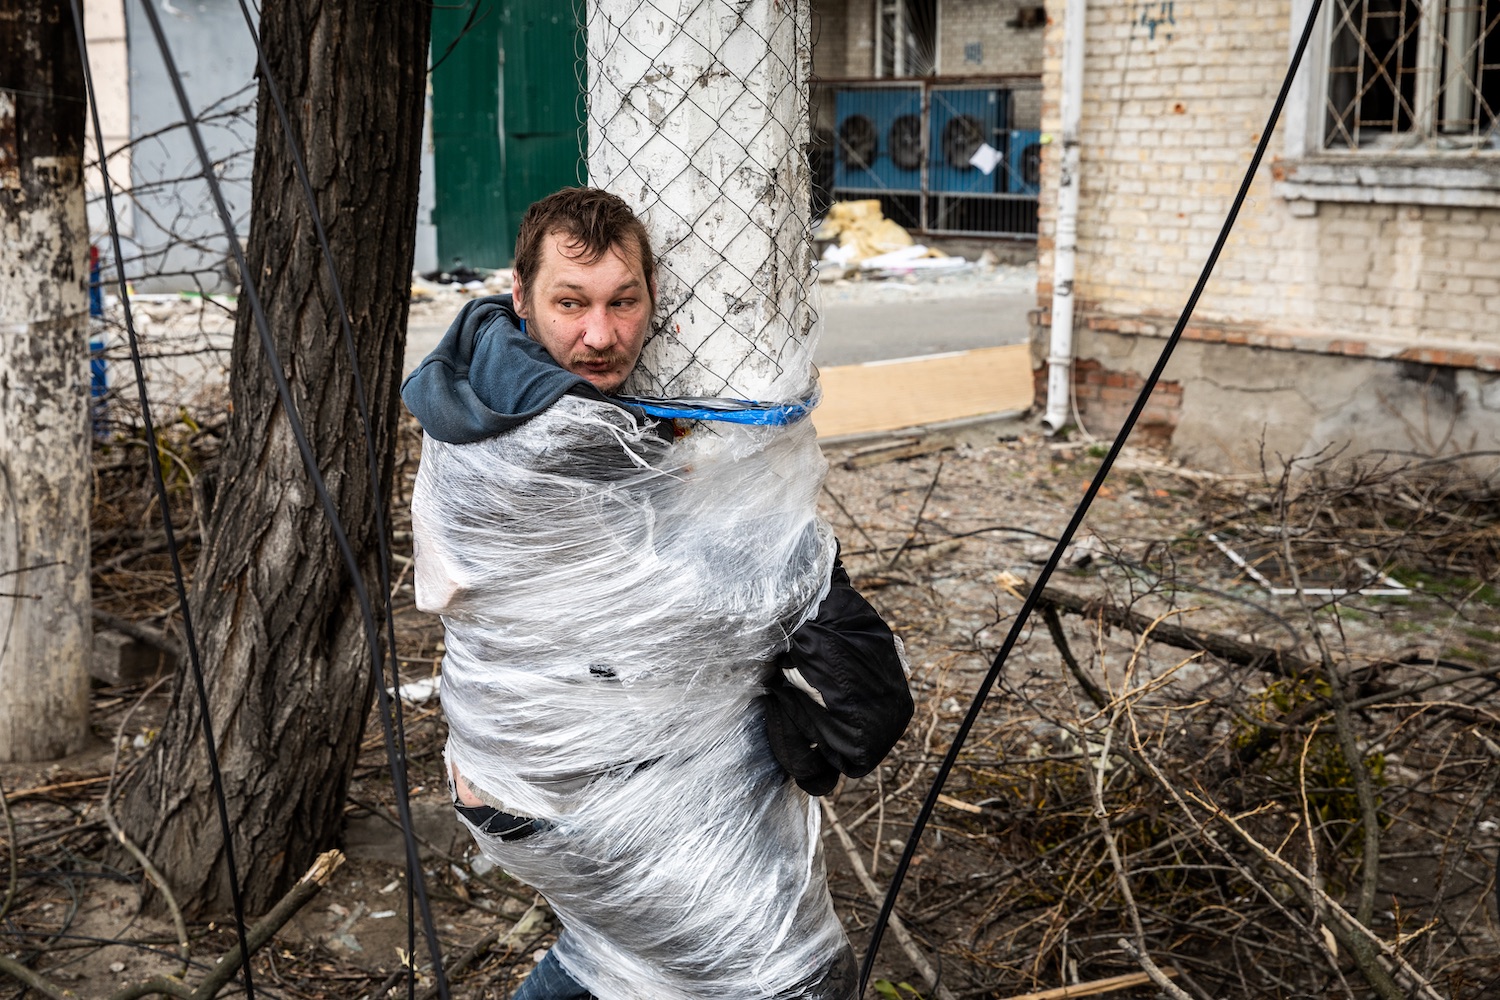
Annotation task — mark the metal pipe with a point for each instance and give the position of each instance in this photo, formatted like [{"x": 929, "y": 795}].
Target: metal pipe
[{"x": 1065, "y": 243}]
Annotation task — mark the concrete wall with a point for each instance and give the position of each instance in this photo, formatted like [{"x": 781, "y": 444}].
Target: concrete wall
[
  {"x": 177, "y": 230},
  {"x": 980, "y": 38},
  {"x": 860, "y": 32},
  {"x": 1327, "y": 321},
  {"x": 171, "y": 208},
  {"x": 831, "y": 41},
  {"x": 104, "y": 27}
]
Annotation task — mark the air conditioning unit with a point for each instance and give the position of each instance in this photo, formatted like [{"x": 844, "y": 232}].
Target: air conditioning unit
[
  {"x": 960, "y": 121},
  {"x": 877, "y": 138},
  {"x": 1023, "y": 162}
]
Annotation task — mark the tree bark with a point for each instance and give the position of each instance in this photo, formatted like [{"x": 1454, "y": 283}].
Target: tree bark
[
  {"x": 284, "y": 649},
  {"x": 44, "y": 444}
]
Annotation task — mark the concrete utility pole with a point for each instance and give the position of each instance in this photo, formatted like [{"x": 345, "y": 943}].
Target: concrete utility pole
[
  {"x": 44, "y": 420},
  {"x": 698, "y": 119}
]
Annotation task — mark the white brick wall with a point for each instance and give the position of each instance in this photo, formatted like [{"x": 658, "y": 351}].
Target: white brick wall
[
  {"x": 847, "y": 38},
  {"x": 975, "y": 38},
  {"x": 1171, "y": 115},
  {"x": 830, "y": 34}
]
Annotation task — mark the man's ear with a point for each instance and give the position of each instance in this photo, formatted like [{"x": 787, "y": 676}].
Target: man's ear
[
  {"x": 518, "y": 299},
  {"x": 653, "y": 291}
]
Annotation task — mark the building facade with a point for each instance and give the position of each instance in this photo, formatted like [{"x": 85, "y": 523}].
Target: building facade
[{"x": 1357, "y": 303}]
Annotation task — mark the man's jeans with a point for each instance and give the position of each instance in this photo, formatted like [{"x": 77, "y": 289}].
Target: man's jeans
[{"x": 549, "y": 981}]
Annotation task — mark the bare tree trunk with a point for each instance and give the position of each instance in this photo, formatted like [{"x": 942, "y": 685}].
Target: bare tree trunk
[
  {"x": 44, "y": 446},
  {"x": 284, "y": 649}
]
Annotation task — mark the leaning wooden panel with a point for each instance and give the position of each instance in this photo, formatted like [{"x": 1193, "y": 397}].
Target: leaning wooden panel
[{"x": 910, "y": 392}]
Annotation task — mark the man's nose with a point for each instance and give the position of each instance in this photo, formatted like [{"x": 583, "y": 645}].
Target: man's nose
[{"x": 599, "y": 332}]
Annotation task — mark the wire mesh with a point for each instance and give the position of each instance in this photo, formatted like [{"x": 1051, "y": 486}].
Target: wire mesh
[{"x": 697, "y": 117}]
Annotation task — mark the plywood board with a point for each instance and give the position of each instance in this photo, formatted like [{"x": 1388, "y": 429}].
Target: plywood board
[{"x": 910, "y": 392}]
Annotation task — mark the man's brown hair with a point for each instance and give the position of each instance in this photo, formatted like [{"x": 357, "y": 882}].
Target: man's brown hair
[{"x": 590, "y": 220}]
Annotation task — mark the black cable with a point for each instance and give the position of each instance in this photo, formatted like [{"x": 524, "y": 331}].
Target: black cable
[
  {"x": 161, "y": 492},
  {"x": 416, "y": 886},
  {"x": 468, "y": 26},
  {"x": 294, "y": 421},
  {"x": 1034, "y": 595}
]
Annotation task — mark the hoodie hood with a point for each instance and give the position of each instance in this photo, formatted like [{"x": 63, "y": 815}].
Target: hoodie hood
[{"x": 486, "y": 377}]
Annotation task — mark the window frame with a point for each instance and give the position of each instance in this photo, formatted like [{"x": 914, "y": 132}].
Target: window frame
[{"x": 1309, "y": 172}]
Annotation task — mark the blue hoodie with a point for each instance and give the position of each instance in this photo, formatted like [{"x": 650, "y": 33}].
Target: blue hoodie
[{"x": 486, "y": 377}]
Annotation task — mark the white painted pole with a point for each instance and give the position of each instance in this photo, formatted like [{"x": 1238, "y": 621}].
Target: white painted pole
[
  {"x": 44, "y": 444},
  {"x": 1065, "y": 242},
  {"x": 698, "y": 119}
]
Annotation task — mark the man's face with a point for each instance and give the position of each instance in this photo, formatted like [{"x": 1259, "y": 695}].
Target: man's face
[{"x": 592, "y": 318}]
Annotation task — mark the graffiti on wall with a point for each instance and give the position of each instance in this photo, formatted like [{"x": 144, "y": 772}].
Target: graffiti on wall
[{"x": 1157, "y": 19}]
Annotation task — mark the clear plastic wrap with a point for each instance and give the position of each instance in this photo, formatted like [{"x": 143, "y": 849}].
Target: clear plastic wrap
[{"x": 612, "y": 603}]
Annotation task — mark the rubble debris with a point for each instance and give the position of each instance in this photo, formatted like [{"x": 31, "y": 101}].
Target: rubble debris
[{"x": 868, "y": 242}]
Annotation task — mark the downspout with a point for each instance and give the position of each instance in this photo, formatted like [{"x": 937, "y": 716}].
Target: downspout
[{"x": 1065, "y": 243}]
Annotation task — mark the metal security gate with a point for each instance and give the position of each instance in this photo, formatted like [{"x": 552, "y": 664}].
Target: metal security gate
[{"x": 946, "y": 159}]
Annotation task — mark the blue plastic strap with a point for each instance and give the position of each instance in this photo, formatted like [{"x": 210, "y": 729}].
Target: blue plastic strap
[{"x": 724, "y": 410}]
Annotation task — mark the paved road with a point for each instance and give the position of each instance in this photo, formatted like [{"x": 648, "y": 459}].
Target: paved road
[
  {"x": 855, "y": 332},
  {"x": 877, "y": 331}
]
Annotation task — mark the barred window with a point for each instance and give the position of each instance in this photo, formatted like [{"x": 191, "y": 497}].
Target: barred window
[{"x": 1414, "y": 74}]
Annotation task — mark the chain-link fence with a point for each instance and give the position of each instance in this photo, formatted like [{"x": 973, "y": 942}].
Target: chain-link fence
[{"x": 698, "y": 117}]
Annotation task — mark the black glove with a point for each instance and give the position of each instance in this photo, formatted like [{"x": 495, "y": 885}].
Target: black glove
[
  {"x": 795, "y": 750},
  {"x": 848, "y": 655}
]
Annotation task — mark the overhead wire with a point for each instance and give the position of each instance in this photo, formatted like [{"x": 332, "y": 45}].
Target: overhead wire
[
  {"x": 396, "y": 758},
  {"x": 1034, "y": 595},
  {"x": 178, "y": 581},
  {"x": 416, "y": 882},
  {"x": 416, "y": 888}
]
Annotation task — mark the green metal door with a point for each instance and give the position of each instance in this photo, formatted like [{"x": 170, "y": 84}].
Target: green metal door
[
  {"x": 468, "y": 176},
  {"x": 523, "y": 56},
  {"x": 543, "y": 84}
]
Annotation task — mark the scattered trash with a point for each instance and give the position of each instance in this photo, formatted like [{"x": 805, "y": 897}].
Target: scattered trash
[
  {"x": 459, "y": 285},
  {"x": 1329, "y": 565},
  {"x": 341, "y": 934},
  {"x": 418, "y": 691},
  {"x": 862, "y": 230},
  {"x": 869, "y": 242},
  {"x": 461, "y": 274}
]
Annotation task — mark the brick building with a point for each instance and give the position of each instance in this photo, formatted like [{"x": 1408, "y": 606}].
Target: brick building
[{"x": 1358, "y": 300}]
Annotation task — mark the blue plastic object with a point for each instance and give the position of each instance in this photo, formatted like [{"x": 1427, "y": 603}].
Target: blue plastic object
[
  {"x": 1020, "y": 180},
  {"x": 881, "y": 108},
  {"x": 724, "y": 410},
  {"x": 972, "y": 114}
]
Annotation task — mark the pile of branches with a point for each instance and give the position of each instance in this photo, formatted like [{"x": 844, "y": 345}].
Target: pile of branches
[{"x": 1168, "y": 796}]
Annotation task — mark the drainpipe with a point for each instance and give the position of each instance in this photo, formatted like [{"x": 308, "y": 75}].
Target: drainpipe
[{"x": 1065, "y": 244}]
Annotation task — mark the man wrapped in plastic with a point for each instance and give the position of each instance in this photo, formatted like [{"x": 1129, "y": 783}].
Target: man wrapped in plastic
[{"x": 653, "y": 657}]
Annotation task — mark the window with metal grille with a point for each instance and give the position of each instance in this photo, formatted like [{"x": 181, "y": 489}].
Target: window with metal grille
[{"x": 1410, "y": 74}]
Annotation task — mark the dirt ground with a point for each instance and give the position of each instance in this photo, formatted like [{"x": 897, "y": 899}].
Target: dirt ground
[{"x": 1146, "y": 804}]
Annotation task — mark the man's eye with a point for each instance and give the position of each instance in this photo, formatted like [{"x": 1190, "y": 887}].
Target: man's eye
[{"x": 623, "y": 303}]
